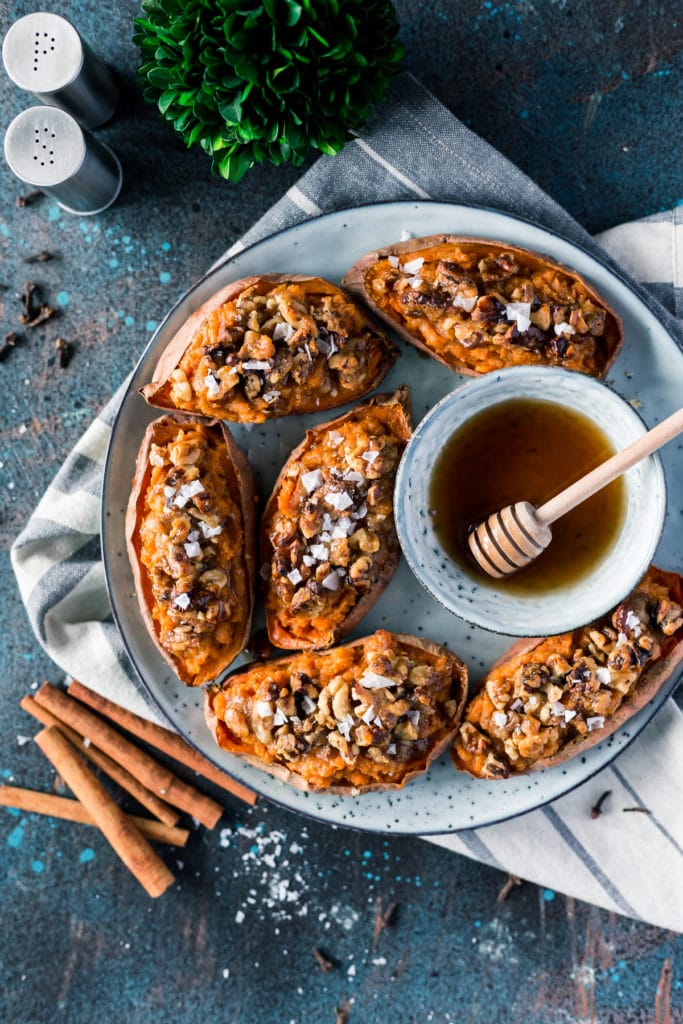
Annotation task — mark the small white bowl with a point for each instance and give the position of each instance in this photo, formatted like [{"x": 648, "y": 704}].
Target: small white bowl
[{"x": 488, "y": 604}]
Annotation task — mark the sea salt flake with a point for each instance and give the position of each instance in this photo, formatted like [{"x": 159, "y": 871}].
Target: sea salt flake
[
  {"x": 370, "y": 456},
  {"x": 342, "y": 529},
  {"x": 500, "y": 719},
  {"x": 308, "y": 560},
  {"x": 333, "y": 579},
  {"x": 374, "y": 681},
  {"x": 557, "y": 708},
  {"x": 256, "y": 364},
  {"x": 271, "y": 396},
  {"x": 413, "y": 716},
  {"x": 568, "y": 715},
  {"x": 335, "y": 437},
  {"x": 379, "y": 961},
  {"x": 516, "y": 705},
  {"x": 186, "y": 492},
  {"x": 239, "y": 917},
  {"x": 391, "y": 749},
  {"x": 413, "y": 266},
  {"x": 263, "y": 708},
  {"x": 210, "y": 531},
  {"x": 564, "y": 328},
  {"x": 603, "y": 675},
  {"x": 212, "y": 385},
  {"x": 169, "y": 491},
  {"x": 368, "y": 715},
  {"x": 192, "y": 549},
  {"x": 182, "y": 601},
  {"x": 193, "y": 535},
  {"x": 632, "y": 621},
  {"x": 463, "y": 302},
  {"x": 283, "y": 332},
  {"x": 405, "y": 235},
  {"x": 226, "y": 972},
  {"x": 596, "y": 722},
  {"x": 21, "y": 740},
  {"x": 393, "y": 261},
  {"x": 360, "y": 512},
  {"x": 312, "y": 481},
  {"x": 345, "y": 726},
  {"x": 294, "y": 576},
  {"x": 520, "y": 312},
  {"x": 622, "y": 638},
  {"x": 155, "y": 456},
  {"x": 280, "y": 718},
  {"x": 308, "y": 705},
  {"x": 319, "y": 551},
  {"x": 354, "y": 477},
  {"x": 339, "y": 500},
  {"x": 414, "y": 282}
]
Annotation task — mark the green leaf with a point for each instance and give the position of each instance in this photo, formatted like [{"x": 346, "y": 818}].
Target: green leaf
[
  {"x": 294, "y": 12},
  {"x": 232, "y": 111}
]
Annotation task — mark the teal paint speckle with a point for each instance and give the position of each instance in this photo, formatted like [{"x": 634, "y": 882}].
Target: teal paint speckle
[
  {"x": 38, "y": 867},
  {"x": 524, "y": 114},
  {"x": 54, "y": 213},
  {"x": 13, "y": 811},
  {"x": 86, "y": 855},
  {"x": 15, "y": 837},
  {"x": 151, "y": 325},
  {"x": 6, "y": 773},
  {"x": 63, "y": 298},
  {"x": 126, "y": 239},
  {"x": 548, "y": 895},
  {"x": 164, "y": 277},
  {"x": 113, "y": 263},
  {"x": 4, "y": 230},
  {"x": 165, "y": 246},
  {"x": 129, "y": 321}
]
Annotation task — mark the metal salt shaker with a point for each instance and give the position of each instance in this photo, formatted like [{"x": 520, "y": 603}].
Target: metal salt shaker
[
  {"x": 47, "y": 149},
  {"x": 44, "y": 54}
]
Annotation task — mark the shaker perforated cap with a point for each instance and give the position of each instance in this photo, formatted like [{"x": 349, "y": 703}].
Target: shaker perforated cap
[
  {"x": 44, "y": 54},
  {"x": 46, "y": 148}
]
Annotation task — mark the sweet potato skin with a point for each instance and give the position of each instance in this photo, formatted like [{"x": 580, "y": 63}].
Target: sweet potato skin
[
  {"x": 245, "y": 495},
  {"x": 156, "y": 392},
  {"x": 459, "y": 675},
  {"x": 653, "y": 678},
  {"x": 354, "y": 282},
  {"x": 399, "y": 404}
]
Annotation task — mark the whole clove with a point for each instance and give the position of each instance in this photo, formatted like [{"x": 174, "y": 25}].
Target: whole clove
[
  {"x": 65, "y": 351},
  {"x": 29, "y": 197},
  {"x": 596, "y": 809},
  {"x": 323, "y": 962},
  {"x": 33, "y": 312},
  {"x": 382, "y": 919},
  {"x": 40, "y": 257},
  {"x": 342, "y": 1013},
  {"x": 512, "y": 881},
  {"x": 8, "y": 344}
]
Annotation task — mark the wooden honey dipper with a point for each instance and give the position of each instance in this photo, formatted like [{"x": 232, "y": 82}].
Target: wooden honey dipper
[{"x": 511, "y": 539}]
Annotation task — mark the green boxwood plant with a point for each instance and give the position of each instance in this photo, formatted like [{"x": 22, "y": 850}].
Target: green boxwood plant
[{"x": 252, "y": 81}]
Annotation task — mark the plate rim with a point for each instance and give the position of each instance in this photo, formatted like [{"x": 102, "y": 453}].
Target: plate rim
[{"x": 604, "y": 261}]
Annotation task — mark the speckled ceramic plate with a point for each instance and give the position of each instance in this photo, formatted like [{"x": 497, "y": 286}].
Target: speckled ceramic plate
[{"x": 649, "y": 372}]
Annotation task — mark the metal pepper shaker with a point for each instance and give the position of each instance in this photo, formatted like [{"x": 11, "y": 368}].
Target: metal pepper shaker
[
  {"x": 46, "y": 148},
  {"x": 44, "y": 54}
]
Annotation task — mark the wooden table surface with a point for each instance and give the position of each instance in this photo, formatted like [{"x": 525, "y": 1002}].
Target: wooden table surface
[{"x": 585, "y": 97}]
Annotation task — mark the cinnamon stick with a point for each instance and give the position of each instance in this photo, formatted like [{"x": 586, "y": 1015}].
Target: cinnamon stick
[
  {"x": 123, "y": 836},
  {"x": 33, "y": 802},
  {"x": 161, "y": 810},
  {"x": 143, "y": 767},
  {"x": 163, "y": 739}
]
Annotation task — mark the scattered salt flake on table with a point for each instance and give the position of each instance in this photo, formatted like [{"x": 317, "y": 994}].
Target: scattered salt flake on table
[
  {"x": 379, "y": 961},
  {"x": 22, "y": 428},
  {"x": 500, "y": 719},
  {"x": 603, "y": 675},
  {"x": 226, "y": 972},
  {"x": 351, "y": 971},
  {"x": 405, "y": 235},
  {"x": 564, "y": 328},
  {"x": 312, "y": 480},
  {"x": 239, "y": 917},
  {"x": 21, "y": 740},
  {"x": 413, "y": 266}
]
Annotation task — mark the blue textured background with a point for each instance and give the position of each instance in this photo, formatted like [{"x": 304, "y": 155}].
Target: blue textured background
[{"x": 585, "y": 97}]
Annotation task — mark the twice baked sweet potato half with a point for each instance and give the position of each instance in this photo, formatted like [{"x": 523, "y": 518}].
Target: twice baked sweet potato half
[
  {"x": 271, "y": 346},
  {"x": 328, "y": 537},
  {"x": 549, "y": 699},
  {"x": 368, "y": 715},
  {"x": 479, "y": 306},
  {"x": 190, "y": 531}
]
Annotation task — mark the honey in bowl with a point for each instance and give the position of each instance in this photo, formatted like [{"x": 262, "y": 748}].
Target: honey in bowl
[{"x": 526, "y": 450}]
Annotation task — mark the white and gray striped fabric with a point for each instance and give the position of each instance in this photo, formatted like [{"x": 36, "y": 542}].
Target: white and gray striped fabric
[{"x": 631, "y": 863}]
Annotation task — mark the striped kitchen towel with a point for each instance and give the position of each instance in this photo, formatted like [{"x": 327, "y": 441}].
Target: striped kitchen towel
[{"x": 626, "y": 862}]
